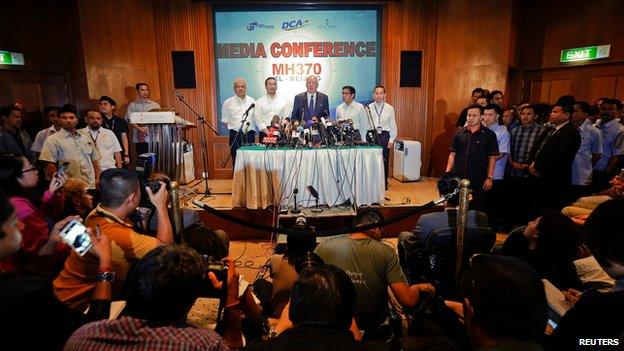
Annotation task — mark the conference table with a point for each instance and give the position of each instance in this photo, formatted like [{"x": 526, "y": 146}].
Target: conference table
[{"x": 266, "y": 176}]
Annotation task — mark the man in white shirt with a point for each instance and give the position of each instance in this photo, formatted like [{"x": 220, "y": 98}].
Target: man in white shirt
[
  {"x": 104, "y": 139},
  {"x": 235, "y": 110},
  {"x": 77, "y": 149},
  {"x": 351, "y": 110},
  {"x": 52, "y": 112},
  {"x": 270, "y": 105},
  {"x": 141, "y": 104},
  {"x": 384, "y": 128}
]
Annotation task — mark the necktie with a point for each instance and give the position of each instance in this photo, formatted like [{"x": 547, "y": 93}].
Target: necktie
[{"x": 312, "y": 103}]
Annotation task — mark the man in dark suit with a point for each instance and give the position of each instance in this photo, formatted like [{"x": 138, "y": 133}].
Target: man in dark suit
[
  {"x": 410, "y": 242},
  {"x": 553, "y": 157},
  {"x": 310, "y": 103}
]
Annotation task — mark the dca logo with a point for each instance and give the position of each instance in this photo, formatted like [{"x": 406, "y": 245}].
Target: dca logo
[{"x": 290, "y": 25}]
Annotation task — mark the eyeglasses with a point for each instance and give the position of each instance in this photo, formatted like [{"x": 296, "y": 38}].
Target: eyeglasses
[{"x": 32, "y": 168}]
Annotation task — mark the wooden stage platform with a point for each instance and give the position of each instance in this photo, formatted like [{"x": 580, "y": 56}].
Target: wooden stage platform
[{"x": 399, "y": 198}]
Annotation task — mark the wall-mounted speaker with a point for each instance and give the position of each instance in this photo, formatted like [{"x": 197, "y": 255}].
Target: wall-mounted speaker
[
  {"x": 183, "y": 63},
  {"x": 411, "y": 67}
]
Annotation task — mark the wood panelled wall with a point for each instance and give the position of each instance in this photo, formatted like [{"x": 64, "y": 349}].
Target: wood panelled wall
[
  {"x": 410, "y": 25},
  {"x": 550, "y": 26},
  {"x": 181, "y": 26},
  {"x": 472, "y": 50},
  {"x": 47, "y": 33},
  {"x": 570, "y": 24},
  {"x": 119, "y": 50}
]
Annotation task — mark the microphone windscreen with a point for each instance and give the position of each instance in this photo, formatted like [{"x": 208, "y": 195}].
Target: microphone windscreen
[{"x": 313, "y": 191}]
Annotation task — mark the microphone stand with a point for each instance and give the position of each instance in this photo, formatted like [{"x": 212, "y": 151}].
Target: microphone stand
[
  {"x": 202, "y": 135},
  {"x": 240, "y": 129}
]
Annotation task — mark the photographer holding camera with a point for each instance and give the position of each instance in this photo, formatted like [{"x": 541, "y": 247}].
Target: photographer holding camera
[
  {"x": 120, "y": 196},
  {"x": 161, "y": 290}
]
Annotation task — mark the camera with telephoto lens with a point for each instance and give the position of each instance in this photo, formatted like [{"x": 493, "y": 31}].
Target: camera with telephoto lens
[{"x": 220, "y": 270}]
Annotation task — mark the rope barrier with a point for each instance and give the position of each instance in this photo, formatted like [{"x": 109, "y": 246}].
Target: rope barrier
[{"x": 397, "y": 218}]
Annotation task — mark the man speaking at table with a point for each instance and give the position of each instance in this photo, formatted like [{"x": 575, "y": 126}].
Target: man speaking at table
[{"x": 310, "y": 103}]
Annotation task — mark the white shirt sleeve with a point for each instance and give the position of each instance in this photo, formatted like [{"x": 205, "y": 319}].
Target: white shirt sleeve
[
  {"x": 225, "y": 112},
  {"x": 392, "y": 127},
  {"x": 258, "y": 116}
]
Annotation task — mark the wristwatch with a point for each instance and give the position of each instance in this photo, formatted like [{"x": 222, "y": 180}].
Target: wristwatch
[
  {"x": 106, "y": 276},
  {"x": 490, "y": 178}
]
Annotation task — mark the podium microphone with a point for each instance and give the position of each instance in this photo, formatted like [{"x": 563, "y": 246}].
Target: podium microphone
[
  {"x": 178, "y": 95},
  {"x": 315, "y": 195},
  {"x": 295, "y": 210}
]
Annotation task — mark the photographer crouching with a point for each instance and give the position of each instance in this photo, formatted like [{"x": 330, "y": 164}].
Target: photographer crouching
[{"x": 161, "y": 290}]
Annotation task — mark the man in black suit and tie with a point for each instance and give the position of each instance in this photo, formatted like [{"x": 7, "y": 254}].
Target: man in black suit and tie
[
  {"x": 553, "y": 157},
  {"x": 310, "y": 103}
]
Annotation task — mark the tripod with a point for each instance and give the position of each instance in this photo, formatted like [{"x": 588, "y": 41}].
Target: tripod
[{"x": 202, "y": 135}]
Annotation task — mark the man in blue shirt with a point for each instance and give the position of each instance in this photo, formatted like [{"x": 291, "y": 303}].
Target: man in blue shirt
[
  {"x": 491, "y": 117},
  {"x": 612, "y": 144},
  {"x": 588, "y": 154}
]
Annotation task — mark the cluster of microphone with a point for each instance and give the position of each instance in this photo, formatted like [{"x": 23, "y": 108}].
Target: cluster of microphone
[{"x": 317, "y": 132}]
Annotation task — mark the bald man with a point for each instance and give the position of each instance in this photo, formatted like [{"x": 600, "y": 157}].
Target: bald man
[
  {"x": 310, "y": 103},
  {"x": 233, "y": 114}
]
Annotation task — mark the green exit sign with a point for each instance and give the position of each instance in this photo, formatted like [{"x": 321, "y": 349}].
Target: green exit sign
[
  {"x": 11, "y": 58},
  {"x": 585, "y": 54}
]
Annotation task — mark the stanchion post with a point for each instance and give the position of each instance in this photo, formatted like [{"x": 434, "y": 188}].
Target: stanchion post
[
  {"x": 462, "y": 221},
  {"x": 178, "y": 220}
]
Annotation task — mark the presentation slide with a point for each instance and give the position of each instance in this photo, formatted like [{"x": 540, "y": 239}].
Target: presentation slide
[{"x": 339, "y": 47}]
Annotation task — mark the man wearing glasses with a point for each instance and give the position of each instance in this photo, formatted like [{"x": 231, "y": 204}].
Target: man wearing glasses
[{"x": 351, "y": 110}]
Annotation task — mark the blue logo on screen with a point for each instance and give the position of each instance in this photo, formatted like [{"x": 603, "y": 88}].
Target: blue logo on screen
[
  {"x": 253, "y": 25},
  {"x": 290, "y": 25}
]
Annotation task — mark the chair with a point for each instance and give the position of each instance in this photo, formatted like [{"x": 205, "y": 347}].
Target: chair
[{"x": 435, "y": 261}]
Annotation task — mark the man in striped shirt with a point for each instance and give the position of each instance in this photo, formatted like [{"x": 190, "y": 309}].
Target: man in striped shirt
[{"x": 521, "y": 184}]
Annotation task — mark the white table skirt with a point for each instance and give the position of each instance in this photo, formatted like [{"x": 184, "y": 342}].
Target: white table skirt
[{"x": 269, "y": 176}]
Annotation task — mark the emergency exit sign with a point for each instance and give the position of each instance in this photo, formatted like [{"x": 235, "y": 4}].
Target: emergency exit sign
[
  {"x": 585, "y": 54},
  {"x": 11, "y": 58}
]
